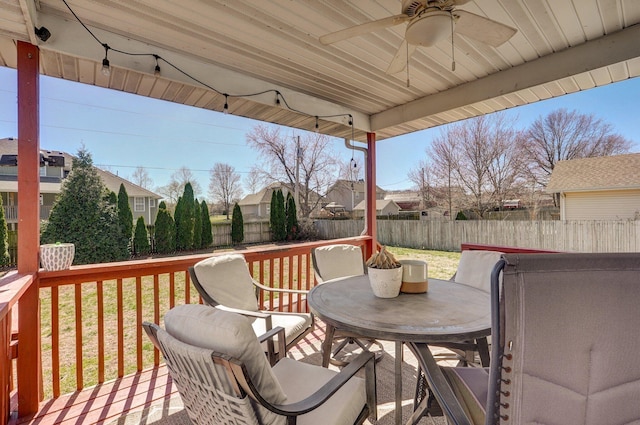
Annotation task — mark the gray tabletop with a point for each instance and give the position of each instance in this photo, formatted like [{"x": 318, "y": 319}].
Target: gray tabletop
[{"x": 447, "y": 312}]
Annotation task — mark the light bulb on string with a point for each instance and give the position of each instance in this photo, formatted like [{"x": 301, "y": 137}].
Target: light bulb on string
[
  {"x": 225, "y": 109},
  {"x": 106, "y": 68},
  {"x": 156, "y": 70},
  {"x": 278, "y": 99},
  {"x": 317, "y": 126}
]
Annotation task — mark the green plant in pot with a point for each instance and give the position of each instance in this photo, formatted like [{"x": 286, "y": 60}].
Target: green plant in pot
[{"x": 385, "y": 274}]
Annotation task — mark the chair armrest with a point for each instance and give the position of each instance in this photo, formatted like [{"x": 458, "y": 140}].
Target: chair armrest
[
  {"x": 366, "y": 360},
  {"x": 269, "y": 335},
  {"x": 283, "y": 290},
  {"x": 257, "y": 314}
]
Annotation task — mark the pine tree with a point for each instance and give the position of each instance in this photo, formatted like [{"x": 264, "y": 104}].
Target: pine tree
[
  {"x": 282, "y": 219},
  {"x": 125, "y": 216},
  {"x": 237, "y": 225},
  {"x": 141, "y": 238},
  {"x": 165, "y": 231},
  {"x": 113, "y": 198},
  {"x": 273, "y": 216},
  {"x": 177, "y": 217},
  {"x": 207, "y": 236},
  {"x": 184, "y": 220},
  {"x": 197, "y": 225},
  {"x": 292, "y": 217},
  {"x": 4, "y": 242},
  {"x": 82, "y": 216}
]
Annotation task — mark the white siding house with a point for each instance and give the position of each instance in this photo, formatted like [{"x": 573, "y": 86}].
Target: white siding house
[{"x": 603, "y": 188}]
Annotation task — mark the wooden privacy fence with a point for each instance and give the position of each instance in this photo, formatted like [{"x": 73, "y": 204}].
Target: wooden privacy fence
[
  {"x": 254, "y": 232},
  {"x": 576, "y": 236}
]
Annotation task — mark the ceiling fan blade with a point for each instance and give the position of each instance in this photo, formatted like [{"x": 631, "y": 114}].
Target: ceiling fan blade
[
  {"x": 482, "y": 29},
  {"x": 363, "y": 29},
  {"x": 399, "y": 61}
]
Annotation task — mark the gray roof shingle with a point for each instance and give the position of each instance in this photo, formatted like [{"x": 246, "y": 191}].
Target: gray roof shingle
[{"x": 600, "y": 173}]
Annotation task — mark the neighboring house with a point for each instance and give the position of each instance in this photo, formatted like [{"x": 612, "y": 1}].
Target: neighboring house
[
  {"x": 383, "y": 207},
  {"x": 258, "y": 205},
  {"x": 54, "y": 168},
  {"x": 407, "y": 200},
  {"x": 602, "y": 188},
  {"x": 349, "y": 193}
]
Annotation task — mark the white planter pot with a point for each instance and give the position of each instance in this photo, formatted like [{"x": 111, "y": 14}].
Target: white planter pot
[
  {"x": 57, "y": 256},
  {"x": 385, "y": 283}
]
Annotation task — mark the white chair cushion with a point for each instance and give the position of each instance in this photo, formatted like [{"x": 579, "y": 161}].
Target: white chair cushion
[
  {"x": 475, "y": 268},
  {"x": 293, "y": 323},
  {"x": 341, "y": 260},
  {"x": 227, "y": 279},
  {"x": 299, "y": 380},
  {"x": 226, "y": 333}
]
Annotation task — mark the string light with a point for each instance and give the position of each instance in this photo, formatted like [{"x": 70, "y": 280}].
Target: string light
[
  {"x": 156, "y": 71},
  {"x": 279, "y": 98},
  {"x": 106, "y": 69}
]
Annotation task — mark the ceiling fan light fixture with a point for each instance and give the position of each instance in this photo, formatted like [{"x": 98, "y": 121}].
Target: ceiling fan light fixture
[{"x": 430, "y": 28}]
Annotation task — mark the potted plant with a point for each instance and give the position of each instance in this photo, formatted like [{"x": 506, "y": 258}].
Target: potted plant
[
  {"x": 57, "y": 256},
  {"x": 385, "y": 274}
]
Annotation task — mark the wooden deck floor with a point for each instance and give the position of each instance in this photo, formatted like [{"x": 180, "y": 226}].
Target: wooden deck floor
[{"x": 105, "y": 403}]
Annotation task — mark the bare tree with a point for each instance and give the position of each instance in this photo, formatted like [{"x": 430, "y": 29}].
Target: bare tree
[
  {"x": 421, "y": 177},
  {"x": 444, "y": 158},
  {"x": 314, "y": 163},
  {"x": 564, "y": 135},
  {"x": 352, "y": 170},
  {"x": 224, "y": 185},
  {"x": 175, "y": 187},
  {"x": 479, "y": 155},
  {"x": 254, "y": 181},
  {"x": 141, "y": 177}
]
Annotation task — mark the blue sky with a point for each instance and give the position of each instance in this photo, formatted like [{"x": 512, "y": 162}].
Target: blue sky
[{"x": 123, "y": 131}]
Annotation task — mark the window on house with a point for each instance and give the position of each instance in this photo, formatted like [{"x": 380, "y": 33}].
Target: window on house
[
  {"x": 152, "y": 203},
  {"x": 138, "y": 204},
  {"x": 43, "y": 171}
]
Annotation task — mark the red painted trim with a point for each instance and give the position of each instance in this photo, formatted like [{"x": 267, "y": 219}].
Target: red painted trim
[
  {"x": 372, "y": 227},
  {"x": 28, "y": 363}
]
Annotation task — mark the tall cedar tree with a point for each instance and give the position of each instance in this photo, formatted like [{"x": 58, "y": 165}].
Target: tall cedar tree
[
  {"x": 165, "y": 231},
  {"x": 82, "y": 216},
  {"x": 237, "y": 225},
  {"x": 4, "y": 242},
  {"x": 141, "y": 238},
  {"x": 282, "y": 218},
  {"x": 177, "y": 214},
  {"x": 292, "y": 217},
  {"x": 273, "y": 215},
  {"x": 124, "y": 213},
  {"x": 197, "y": 225},
  {"x": 112, "y": 198},
  {"x": 184, "y": 221},
  {"x": 207, "y": 236}
]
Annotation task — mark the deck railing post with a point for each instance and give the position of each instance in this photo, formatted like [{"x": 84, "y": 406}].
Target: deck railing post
[{"x": 28, "y": 362}]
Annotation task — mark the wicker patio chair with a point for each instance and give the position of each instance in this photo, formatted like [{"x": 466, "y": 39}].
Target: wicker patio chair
[
  {"x": 333, "y": 262},
  {"x": 565, "y": 345},
  {"x": 223, "y": 377},
  {"x": 224, "y": 281}
]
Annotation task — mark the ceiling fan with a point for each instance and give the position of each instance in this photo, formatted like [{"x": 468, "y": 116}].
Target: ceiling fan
[{"x": 429, "y": 21}]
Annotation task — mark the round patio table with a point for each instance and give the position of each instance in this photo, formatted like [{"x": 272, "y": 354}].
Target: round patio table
[{"x": 448, "y": 312}]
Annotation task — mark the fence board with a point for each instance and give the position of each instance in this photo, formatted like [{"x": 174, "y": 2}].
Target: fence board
[{"x": 551, "y": 235}]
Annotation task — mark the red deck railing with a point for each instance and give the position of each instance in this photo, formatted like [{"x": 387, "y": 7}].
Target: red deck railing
[{"x": 92, "y": 314}]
